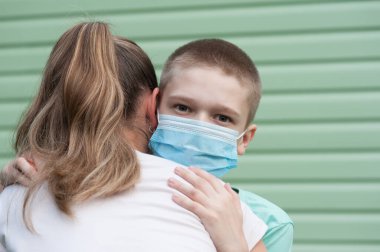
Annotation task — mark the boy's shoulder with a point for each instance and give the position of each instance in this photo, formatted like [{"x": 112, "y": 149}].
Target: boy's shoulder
[
  {"x": 269, "y": 212},
  {"x": 279, "y": 236}
]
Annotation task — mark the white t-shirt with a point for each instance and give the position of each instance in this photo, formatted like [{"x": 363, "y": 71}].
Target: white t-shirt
[{"x": 142, "y": 219}]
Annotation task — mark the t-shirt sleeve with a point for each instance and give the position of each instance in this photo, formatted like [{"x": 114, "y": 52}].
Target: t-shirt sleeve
[
  {"x": 8, "y": 205},
  {"x": 254, "y": 228},
  {"x": 3, "y": 203}
]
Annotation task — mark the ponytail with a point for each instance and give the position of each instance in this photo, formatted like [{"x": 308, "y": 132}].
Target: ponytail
[{"x": 75, "y": 124}]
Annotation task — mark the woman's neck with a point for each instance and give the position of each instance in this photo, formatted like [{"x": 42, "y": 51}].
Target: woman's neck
[{"x": 138, "y": 138}]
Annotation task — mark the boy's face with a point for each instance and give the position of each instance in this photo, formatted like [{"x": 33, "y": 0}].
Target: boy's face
[{"x": 209, "y": 95}]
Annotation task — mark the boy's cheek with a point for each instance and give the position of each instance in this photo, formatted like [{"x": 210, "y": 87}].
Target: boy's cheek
[
  {"x": 162, "y": 109},
  {"x": 162, "y": 106}
]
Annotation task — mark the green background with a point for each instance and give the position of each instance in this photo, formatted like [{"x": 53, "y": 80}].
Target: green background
[{"x": 317, "y": 149}]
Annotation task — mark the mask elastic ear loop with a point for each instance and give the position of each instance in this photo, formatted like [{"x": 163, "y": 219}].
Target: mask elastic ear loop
[{"x": 242, "y": 134}]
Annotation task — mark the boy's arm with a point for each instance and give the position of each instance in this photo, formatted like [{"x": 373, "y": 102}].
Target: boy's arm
[
  {"x": 219, "y": 209},
  {"x": 260, "y": 247}
]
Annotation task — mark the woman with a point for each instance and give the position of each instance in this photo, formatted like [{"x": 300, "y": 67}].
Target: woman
[{"x": 96, "y": 189}]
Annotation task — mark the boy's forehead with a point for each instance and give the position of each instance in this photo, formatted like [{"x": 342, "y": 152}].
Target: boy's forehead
[{"x": 201, "y": 79}]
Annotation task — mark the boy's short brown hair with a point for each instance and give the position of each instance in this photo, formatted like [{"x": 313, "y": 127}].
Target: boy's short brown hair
[{"x": 220, "y": 54}]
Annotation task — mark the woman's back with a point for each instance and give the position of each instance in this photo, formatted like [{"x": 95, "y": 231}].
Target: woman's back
[{"x": 141, "y": 219}]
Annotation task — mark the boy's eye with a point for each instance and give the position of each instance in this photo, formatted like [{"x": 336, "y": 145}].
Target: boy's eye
[
  {"x": 223, "y": 118},
  {"x": 182, "y": 108}
]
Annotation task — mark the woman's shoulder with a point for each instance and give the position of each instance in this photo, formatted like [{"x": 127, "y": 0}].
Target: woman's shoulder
[
  {"x": 11, "y": 199},
  {"x": 151, "y": 161},
  {"x": 11, "y": 192},
  {"x": 14, "y": 195}
]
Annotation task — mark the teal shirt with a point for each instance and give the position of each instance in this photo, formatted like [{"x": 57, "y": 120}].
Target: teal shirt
[{"x": 279, "y": 236}]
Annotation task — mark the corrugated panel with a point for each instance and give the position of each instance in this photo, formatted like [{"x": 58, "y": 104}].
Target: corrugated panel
[
  {"x": 321, "y": 196},
  {"x": 340, "y": 247},
  {"x": 187, "y": 22},
  {"x": 266, "y": 49},
  {"x": 317, "y": 148},
  {"x": 314, "y": 167}
]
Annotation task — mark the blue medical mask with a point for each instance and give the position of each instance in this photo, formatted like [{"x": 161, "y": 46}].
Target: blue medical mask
[{"x": 196, "y": 143}]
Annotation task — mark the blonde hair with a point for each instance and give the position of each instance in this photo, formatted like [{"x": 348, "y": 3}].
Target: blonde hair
[
  {"x": 221, "y": 54},
  {"x": 89, "y": 93}
]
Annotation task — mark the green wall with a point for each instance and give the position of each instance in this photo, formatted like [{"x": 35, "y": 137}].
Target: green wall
[{"x": 317, "y": 148}]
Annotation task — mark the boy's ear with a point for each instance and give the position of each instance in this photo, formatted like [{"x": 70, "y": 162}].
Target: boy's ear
[
  {"x": 152, "y": 108},
  {"x": 246, "y": 139}
]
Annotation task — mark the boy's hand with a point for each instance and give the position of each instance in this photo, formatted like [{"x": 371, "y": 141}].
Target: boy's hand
[
  {"x": 19, "y": 170},
  {"x": 215, "y": 203}
]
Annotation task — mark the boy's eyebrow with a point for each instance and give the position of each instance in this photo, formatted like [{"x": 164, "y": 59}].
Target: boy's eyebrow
[
  {"x": 228, "y": 110},
  {"x": 181, "y": 97}
]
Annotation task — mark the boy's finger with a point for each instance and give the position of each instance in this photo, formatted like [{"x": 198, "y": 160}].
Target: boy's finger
[
  {"x": 10, "y": 174},
  {"x": 25, "y": 167},
  {"x": 211, "y": 179},
  {"x": 28, "y": 156},
  {"x": 190, "y": 205},
  {"x": 195, "y": 180},
  {"x": 35, "y": 161},
  {"x": 23, "y": 180},
  {"x": 233, "y": 194},
  {"x": 190, "y": 192}
]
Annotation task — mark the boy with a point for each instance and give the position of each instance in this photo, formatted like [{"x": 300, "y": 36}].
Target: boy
[{"x": 213, "y": 82}]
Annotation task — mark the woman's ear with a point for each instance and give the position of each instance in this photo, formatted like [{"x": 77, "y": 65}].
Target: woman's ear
[
  {"x": 152, "y": 108},
  {"x": 246, "y": 139}
]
